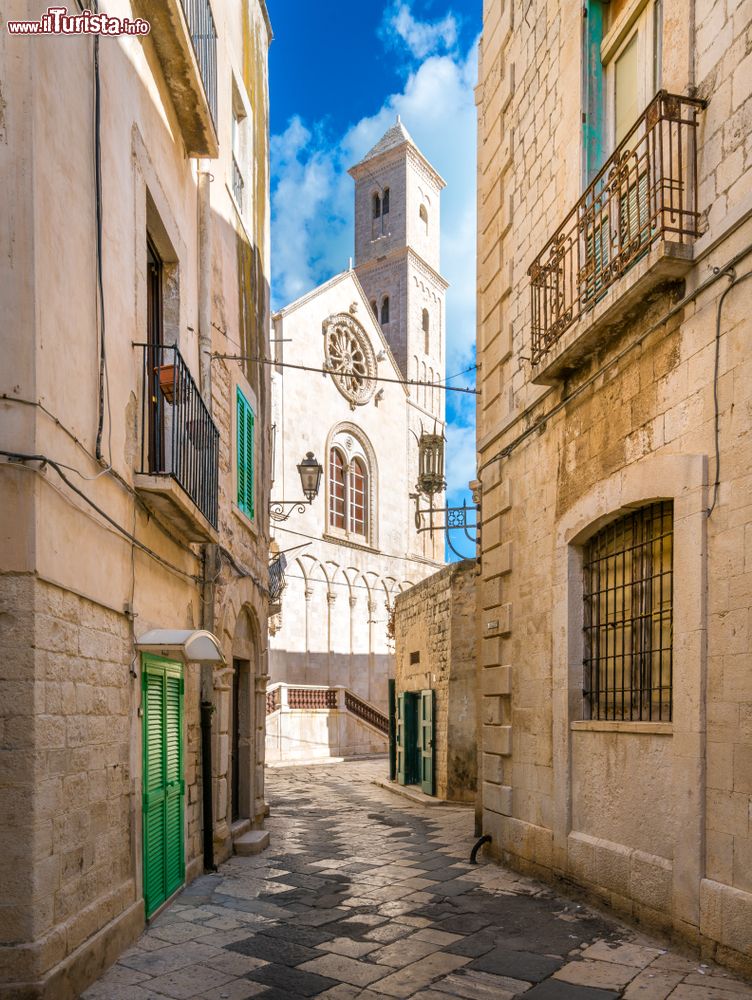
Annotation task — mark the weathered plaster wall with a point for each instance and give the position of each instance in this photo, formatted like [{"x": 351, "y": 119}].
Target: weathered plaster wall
[{"x": 75, "y": 591}]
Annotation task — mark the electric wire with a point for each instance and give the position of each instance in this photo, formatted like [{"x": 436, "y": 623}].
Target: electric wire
[{"x": 327, "y": 371}]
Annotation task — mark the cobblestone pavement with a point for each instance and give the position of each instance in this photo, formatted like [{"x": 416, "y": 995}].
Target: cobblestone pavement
[{"x": 364, "y": 894}]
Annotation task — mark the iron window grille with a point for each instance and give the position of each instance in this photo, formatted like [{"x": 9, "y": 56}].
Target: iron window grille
[
  {"x": 645, "y": 192},
  {"x": 628, "y": 595}
]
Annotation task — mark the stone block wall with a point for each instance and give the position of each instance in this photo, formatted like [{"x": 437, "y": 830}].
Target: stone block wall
[
  {"x": 434, "y": 628},
  {"x": 69, "y": 775},
  {"x": 633, "y": 421}
]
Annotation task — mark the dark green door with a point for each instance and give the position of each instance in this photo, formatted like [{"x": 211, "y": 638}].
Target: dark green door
[
  {"x": 163, "y": 785},
  {"x": 392, "y": 730},
  {"x": 427, "y": 782},
  {"x": 407, "y": 738}
]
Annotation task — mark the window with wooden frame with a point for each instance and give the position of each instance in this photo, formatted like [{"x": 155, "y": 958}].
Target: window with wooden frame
[
  {"x": 628, "y": 605},
  {"x": 245, "y": 434},
  {"x": 349, "y": 500},
  {"x": 336, "y": 489},
  {"x": 358, "y": 497}
]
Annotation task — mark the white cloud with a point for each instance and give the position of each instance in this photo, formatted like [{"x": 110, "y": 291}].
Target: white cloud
[{"x": 422, "y": 38}]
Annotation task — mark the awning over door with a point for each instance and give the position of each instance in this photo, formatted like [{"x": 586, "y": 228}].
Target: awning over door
[{"x": 190, "y": 645}]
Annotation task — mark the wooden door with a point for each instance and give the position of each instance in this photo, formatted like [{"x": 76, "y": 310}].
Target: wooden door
[{"x": 427, "y": 770}]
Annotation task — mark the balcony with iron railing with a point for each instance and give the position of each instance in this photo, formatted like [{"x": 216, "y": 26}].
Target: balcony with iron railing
[
  {"x": 630, "y": 232},
  {"x": 178, "y": 473},
  {"x": 185, "y": 39}
]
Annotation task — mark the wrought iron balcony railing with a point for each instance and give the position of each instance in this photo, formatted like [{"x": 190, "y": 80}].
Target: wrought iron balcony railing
[
  {"x": 198, "y": 14},
  {"x": 644, "y": 193},
  {"x": 178, "y": 436}
]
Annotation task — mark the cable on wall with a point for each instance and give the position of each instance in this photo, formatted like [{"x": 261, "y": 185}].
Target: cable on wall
[
  {"x": 734, "y": 280},
  {"x": 44, "y": 460}
]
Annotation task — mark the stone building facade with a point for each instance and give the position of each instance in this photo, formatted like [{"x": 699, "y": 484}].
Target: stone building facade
[
  {"x": 614, "y": 252},
  {"x": 133, "y": 586},
  {"x": 435, "y": 639},
  {"x": 356, "y": 546}
]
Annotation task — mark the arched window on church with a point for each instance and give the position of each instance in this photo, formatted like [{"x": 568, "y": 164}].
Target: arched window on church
[
  {"x": 351, "y": 488},
  {"x": 385, "y": 203},
  {"x": 376, "y": 202},
  {"x": 432, "y": 390},
  {"x": 426, "y": 331},
  {"x": 425, "y": 388},
  {"x": 358, "y": 497},
  {"x": 375, "y": 309},
  {"x": 424, "y": 217},
  {"x": 336, "y": 489},
  {"x": 385, "y": 310}
]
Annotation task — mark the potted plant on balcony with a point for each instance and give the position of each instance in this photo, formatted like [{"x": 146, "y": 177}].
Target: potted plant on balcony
[{"x": 167, "y": 375}]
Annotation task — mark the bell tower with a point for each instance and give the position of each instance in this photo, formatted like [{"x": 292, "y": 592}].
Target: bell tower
[{"x": 397, "y": 260}]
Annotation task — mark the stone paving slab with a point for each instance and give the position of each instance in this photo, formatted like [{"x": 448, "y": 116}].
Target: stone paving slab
[{"x": 363, "y": 895}]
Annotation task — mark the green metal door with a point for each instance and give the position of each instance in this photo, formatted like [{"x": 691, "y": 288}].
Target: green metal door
[
  {"x": 163, "y": 785},
  {"x": 427, "y": 782}
]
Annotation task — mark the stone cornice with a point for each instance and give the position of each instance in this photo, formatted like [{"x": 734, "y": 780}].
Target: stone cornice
[{"x": 386, "y": 262}]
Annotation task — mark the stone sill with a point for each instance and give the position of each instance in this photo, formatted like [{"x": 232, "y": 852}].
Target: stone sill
[
  {"x": 603, "y": 726},
  {"x": 344, "y": 540},
  {"x": 172, "y": 41},
  {"x": 665, "y": 262},
  {"x": 168, "y": 500},
  {"x": 245, "y": 520}
]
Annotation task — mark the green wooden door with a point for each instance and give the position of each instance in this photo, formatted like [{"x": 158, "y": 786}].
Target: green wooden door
[
  {"x": 408, "y": 763},
  {"x": 427, "y": 781},
  {"x": 392, "y": 730},
  {"x": 163, "y": 785}
]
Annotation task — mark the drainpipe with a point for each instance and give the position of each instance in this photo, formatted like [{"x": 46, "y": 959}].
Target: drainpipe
[
  {"x": 204, "y": 285},
  {"x": 209, "y": 573},
  {"x": 211, "y": 555}
]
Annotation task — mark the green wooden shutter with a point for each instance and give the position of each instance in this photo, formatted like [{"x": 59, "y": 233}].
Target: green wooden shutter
[
  {"x": 427, "y": 770},
  {"x": 392, "y": 731},
  {"x": 401, "y": 748},
  {"x": 245, "y": 456},
  {"x": 163, "y": 785}
]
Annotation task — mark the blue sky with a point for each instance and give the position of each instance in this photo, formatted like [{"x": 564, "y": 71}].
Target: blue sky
[{"x": 339, "y": 73}]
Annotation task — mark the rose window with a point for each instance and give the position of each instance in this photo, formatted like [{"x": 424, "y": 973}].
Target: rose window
[{"x": 350, "y": 359}]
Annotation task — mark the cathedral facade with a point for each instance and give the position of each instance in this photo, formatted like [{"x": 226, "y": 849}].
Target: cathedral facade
[{"x": 377, "y": 335}]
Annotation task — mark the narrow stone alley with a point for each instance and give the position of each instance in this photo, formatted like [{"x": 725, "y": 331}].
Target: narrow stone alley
[{"x": 363, "y": 894}]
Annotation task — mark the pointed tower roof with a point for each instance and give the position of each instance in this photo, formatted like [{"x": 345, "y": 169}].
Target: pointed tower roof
[{"x": 395, "y": 137}]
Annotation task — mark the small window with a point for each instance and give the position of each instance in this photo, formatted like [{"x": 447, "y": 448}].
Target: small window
[
  {"x": 245, "y": 456},
  {"x": 628, "y": 596},
  {"x": 376, "y": 206},
  {"x": 336, "y": 489},
  {"x": 385, "y": 204},
  {"x": 375, "y": 309},
  {"x": 424, "y": 217},
  {"x": 385, "y": 310},
  {"x": 414, "y": 658},
  {"x": 426, "y": 331}
]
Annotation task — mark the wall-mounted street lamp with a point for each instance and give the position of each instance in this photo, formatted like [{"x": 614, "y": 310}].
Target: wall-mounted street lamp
[
  {"x": 431, "y": 481},
  {"x": 310, "y": 472}
]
